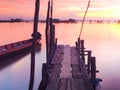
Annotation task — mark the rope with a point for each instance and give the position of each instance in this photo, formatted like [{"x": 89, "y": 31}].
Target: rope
[{"x": 84, "y": 18}]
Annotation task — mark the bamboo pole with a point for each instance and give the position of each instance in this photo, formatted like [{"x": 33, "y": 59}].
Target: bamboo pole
[
  {"x": 84, "y": 18},
  {"x": 31, "y": 84}
]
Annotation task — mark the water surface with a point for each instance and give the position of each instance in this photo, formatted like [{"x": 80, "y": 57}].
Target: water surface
[{"x": 102, "y": 39}]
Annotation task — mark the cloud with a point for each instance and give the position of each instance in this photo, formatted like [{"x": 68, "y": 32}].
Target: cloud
[{"x": 70, "y": 8}]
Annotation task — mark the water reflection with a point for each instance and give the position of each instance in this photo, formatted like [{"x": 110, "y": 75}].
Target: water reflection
[
  {"x": 102, "y": 39},
  {"x": 32, "y": 70}
]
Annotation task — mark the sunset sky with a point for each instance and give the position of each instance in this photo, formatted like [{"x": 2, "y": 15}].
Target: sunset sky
[{"x": 63, "y": 9}]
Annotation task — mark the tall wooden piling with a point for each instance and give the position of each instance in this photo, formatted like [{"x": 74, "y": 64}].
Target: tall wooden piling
[
  {"x": 52, "y": 39},
  {"x": 93, "y": 68},
  {"x": 51, "y": 42},
  {"x": 47, "y": 32},
  {"x": 45, "y": 77},
  {"x": 89, "y": 62},
  {"x": 32, "y": 70},
  {"x": 78, "y": 45},
  {"x": 93, "y": 72}
]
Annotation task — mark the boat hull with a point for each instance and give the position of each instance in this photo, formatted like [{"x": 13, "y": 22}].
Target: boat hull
[{"x": 13, "y": 49}]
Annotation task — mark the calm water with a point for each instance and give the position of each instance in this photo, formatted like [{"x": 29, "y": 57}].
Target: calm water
[{"x": 102, "y": 39}]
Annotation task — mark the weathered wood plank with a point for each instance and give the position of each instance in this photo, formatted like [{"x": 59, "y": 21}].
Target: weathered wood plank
[
  {"x": 54, "y": 75},
  {"x": 67, "y": 71},
  {"x": 63, "y": 84},
  {"x": 53, "y": 85},
  {"x": 77, "y": 84},
  {"x": 66, "y": 64}
]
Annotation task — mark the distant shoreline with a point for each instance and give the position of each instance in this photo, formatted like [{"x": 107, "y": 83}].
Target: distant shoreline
[{"x": 60, "y": 21}]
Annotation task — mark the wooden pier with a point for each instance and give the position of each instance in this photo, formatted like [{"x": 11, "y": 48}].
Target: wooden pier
[
  {"x": 67, "y": 67},
  {"x": 68, "y": 71}
]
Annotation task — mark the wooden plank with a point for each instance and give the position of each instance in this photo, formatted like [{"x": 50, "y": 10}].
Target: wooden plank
[
  {"x": 58, "y": 56},
  {"x": 77, "y": 84},
  {"x": 63, "y": 84},
  {"x": 66, "y": 64},
  {"x": 69, "y": 86},
  {"x": 53, "y": 85},
  {"x": 67, "y": 72},
  {"x": 74, "y": 57},
  {"x": 54, "y": 75}
]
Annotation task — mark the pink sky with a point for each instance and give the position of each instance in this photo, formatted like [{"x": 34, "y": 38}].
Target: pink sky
[{"x": 99, "y": 9}]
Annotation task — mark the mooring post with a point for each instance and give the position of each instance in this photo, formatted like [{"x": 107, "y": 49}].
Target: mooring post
[
  {"x": 51, "y": 39},
  {"x": 89, "y": 62},
  {"x": 32, "y": 68},
  {"x": 45, "y": 77},
  {"x": 78, "y": 44},
  {"x": 93, "y": 72},
  {"x": 47, "y": 34},
  {"x": 54, "y": 40}
]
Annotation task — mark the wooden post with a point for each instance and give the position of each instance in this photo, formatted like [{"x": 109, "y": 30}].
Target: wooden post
[
  {"x": 31, "y": 84},
  {"x": 51, "y": 39},
  {"x": 76, "y": 44},
  {"x": 89, "y": 62},
  {"x": 45, "y": 77},
  {"x": 82, "y": 50},
  {"x": 93, "y": 68},
  {"x": 55, "y": 43},
  {"x": 47, "y": 34},
  {"x": 79, "y": 46},
  {"x": 54, "y": 40},
  {"x": 93, "y": 72}
]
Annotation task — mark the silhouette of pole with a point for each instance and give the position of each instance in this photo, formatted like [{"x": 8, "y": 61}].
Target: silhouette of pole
[
  {"x": 46, "y": 33},
  {"x": 31, "y": 84},
  {"x": 51, "y": 8},
  {"x": 84, "y": 18}
]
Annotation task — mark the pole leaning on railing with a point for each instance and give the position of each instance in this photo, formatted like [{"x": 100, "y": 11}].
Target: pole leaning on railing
[
  {"x": 36, "y": 17},
  {"x": 84, "y": 19}
]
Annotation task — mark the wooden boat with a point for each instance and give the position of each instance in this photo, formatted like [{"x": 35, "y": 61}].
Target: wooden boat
[{"x": 13, "y": 48}]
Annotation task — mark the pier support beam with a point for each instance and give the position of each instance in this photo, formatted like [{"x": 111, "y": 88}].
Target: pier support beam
[{"x": 45, "y": 77}]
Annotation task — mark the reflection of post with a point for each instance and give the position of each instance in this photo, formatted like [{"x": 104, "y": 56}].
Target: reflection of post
[{"x": 31, "y": 84}]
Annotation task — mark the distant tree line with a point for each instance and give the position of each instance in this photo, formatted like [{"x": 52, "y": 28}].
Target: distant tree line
[
  {"x": 62, "y": 21},
  {"x": 12, "y": 20}
]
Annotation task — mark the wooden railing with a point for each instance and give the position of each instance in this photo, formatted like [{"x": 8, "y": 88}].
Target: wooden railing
[{"x": 89, "y": 62}]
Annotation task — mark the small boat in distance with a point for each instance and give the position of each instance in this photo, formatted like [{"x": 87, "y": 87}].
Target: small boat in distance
[{"x": 13, "y": 48}]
